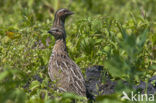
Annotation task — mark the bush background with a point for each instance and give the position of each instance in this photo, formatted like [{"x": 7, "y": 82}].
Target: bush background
[{"x": 120, "y": 35}]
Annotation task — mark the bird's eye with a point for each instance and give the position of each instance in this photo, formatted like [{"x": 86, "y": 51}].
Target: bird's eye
[
  {"x": 65, "y": 11},
  {"x": 56, "y": 30}
]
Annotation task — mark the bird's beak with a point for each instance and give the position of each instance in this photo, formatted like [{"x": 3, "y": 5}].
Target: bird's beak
[
  {"x": 50, "y": 32},
  {"x": 70, "y": 13}
]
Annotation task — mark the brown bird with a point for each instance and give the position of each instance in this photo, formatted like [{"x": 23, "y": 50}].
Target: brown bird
[
  {"x": 59, "y": 21},
  {"x": 60, "y": 17},
  {"x": 61, "y": 68}
]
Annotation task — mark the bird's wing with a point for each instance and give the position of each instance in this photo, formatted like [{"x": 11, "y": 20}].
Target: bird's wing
[
  {"x": 71, "y": 78},
  {"x": 56, "y": 70},
  {"x": 76, "y": 78}
]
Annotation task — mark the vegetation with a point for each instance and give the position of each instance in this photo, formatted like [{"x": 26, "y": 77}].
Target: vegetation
[{"x": 118, "y": 34}]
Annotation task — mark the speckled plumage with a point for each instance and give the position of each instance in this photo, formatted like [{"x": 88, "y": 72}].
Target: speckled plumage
[{"x": 61, "y": 68}]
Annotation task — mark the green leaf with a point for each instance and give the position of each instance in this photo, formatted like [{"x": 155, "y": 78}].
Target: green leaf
[
  {"x": 3, "y": 75},
  {"x": 34, "y": 85}
]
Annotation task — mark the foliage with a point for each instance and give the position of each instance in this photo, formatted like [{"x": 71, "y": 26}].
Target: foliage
[{"x": 120, "y": 35}]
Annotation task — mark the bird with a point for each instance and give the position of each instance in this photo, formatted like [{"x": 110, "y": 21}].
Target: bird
[
  {"x": 62, "y": 68},
  {"x": 59, "y": 21},
  {"x": 60, "y": 17}
]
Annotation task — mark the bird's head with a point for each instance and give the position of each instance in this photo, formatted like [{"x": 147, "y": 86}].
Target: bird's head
[
  {"x": 63, "y": 13},
  {"x": 57, "y": 33}
]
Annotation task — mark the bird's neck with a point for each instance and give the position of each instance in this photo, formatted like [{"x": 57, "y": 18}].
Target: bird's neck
[
  {"x": 60, "y": 46},
  {"x": 59, "y": 22}
]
